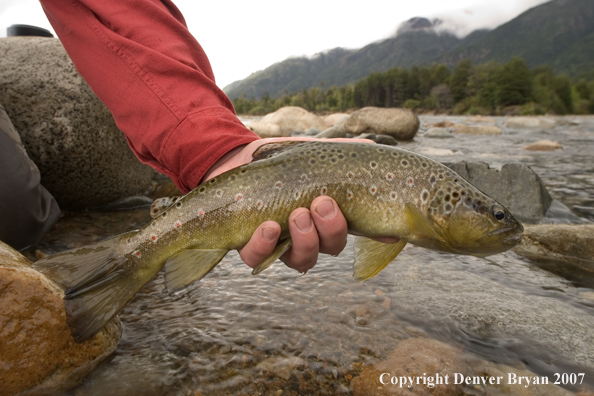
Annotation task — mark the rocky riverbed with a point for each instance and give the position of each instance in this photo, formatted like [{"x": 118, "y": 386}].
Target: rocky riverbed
[{"x": 281, "y": 333}]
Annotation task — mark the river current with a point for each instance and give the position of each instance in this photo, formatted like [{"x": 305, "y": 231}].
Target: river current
[{"x": 283, "y": 333}]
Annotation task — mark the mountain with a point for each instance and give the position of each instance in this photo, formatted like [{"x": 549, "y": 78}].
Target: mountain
[
  {"x": 559, "y": 33},
  {"x": 416, "y": 41}
]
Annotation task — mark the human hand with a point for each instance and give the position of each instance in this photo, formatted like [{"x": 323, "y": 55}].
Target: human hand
[{"x": 320, "y": 229}]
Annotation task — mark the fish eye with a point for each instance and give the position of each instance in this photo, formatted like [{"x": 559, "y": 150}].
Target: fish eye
[{"x": 498, "y": 213}]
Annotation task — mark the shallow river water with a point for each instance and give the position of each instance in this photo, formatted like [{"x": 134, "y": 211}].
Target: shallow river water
[{"x": 283, "y": 333}]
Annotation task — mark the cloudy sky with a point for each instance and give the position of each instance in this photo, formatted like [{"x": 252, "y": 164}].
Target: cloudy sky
[{"x": 241, "y": 37}]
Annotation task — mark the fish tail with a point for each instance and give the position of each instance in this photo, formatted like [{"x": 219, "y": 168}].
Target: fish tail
[{"x": 95, "y": 282}]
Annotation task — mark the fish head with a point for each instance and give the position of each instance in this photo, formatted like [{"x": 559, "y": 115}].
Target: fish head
[{"x": 467, "y": 221}]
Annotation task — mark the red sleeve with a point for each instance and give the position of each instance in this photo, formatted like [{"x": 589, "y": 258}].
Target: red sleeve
[{"x": 142, "y": 62}]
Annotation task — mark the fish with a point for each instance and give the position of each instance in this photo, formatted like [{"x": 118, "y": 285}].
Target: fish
[{"x": 382, "y": 191}]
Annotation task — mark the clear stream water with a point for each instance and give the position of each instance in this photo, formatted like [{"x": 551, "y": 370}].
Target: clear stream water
[{"x": 236, "y": 334}]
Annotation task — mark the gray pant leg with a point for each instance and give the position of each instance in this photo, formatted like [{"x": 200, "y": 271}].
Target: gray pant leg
[{"x": 27, "y": 209}]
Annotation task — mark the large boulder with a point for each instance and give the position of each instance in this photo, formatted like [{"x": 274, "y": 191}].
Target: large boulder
[
  {"x": 38, "y": 354},
  {"x": 336, "y": 119},
  {"x": 414, "y": 357},
  {"x": 401, "y": 124},
  {"x": 516, "y": 186},
  {"x": 286, "y": 119},
  {"x": 83, "y": 157},
  {"x": 573, "y": 243},
  {"x": 530, "y": 122}
]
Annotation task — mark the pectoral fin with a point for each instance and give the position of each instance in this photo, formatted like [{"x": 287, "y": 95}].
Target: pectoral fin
[
  {"x": 420, "y": 225},
  {"x": 278, "y": 251},
  {"x": 190, "y": 265},
  {"x": 371, "y": 257}
]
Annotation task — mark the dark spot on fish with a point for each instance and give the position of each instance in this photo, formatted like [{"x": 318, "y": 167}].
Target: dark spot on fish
[
  {"x": 424, "y": 164},
  {"x": 333, "y": 160},
  {"x": 211, "y": 181},
  {"x": 339, "y": 151},
  {"x": 479, "y": 202},
  {"x": 373, "y": 165},
  {"x": 448, "y": 174},
  {"x": 447, "y": 198},
  {"x": 165, "y": 214},
  {"x": 462, "y": 192},
  {"x": 353, "y": 155},
  {"x": 243, "y": 170},
  {"x": 323, "y": 157},
  {"x": 440, "y": 177},
  {"x": 432, "y": 180},
  {"x": 394, "y": 153},
  {"x": 405, "y": 163},
  {"x": 325, "y": 150},
  {"x": 448, "y": 207},
  {"x": 455, "y": 194},
  {"x": 455, "y": 180},
  {"x": 340, "y": 156},
  {"x": 381, "y": 150},
  {"x": 425, "y": 195},
  {"x": 179, "y": 205},
  {"x": 449, "y": 189},
  {"x": 202, "y": 189},
  {"x": 312, "y": 161}
]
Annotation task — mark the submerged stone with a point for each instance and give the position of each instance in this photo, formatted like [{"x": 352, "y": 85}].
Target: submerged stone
[{"x": 38, "y": 354}]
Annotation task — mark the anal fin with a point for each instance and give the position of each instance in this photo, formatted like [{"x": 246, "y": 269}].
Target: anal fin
[
  {"x": 278, "y": 251},
  {"x": 371, "y": 257},
  {"x": 190, "y": 265}
]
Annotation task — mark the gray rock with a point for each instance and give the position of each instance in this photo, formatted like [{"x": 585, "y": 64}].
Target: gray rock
[
  {"x": 439, "y": 133},
  {"x": 336, "y": 131},
  {"x": 573, "y": 243},
  {"x": 380, "y": 139},
  {"x": 401, "y": 124},
  {"x": 516, "y": 186},
  {"x": 83, "y": 158}
]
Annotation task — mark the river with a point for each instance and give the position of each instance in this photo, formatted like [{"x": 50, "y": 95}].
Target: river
[{"x": 237, "y": 334}]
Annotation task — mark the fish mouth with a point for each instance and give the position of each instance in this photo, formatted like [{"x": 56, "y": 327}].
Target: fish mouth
[
  {"x": 513, "y": 239},
  {"x": 500, "y": 231}
]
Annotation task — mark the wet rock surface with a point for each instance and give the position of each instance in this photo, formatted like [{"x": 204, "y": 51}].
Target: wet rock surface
[
  {"x": 413, "y": 358},
  {"x": 560, "y": 248},
  {"x": 401, "y": 124},
  {"x": 516, "y": 186},
  {"x": 67, "y": 131},
  {"x": 38, "y": 354}
]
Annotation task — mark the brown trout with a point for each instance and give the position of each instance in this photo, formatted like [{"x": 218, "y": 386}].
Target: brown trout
[{"x": 381, "y": 190}]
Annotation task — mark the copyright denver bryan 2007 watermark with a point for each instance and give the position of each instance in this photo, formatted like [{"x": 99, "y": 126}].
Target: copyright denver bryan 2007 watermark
[{"x": 460, "y": 379}]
